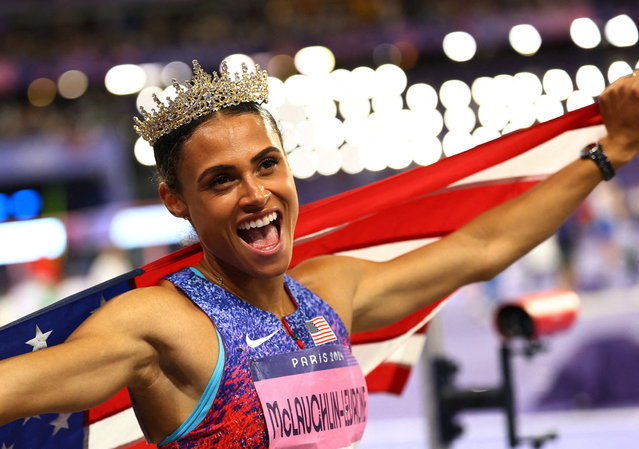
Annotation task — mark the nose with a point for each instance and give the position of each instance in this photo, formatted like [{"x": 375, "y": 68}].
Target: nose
[{"x": 254, "y": 195}]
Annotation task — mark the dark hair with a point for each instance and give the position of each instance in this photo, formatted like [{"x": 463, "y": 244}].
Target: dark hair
[{"x": 168, "y": 148}]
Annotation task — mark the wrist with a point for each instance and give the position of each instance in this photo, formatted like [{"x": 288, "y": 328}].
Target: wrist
[{"x": 595, "y": 153}]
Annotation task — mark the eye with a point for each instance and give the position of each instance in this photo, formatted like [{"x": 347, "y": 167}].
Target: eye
[
  {"x": 220, "y": 181},
  {"x": 269, "y": 163}
]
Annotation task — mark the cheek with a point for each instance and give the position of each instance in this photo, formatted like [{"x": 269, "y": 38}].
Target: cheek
[{"x": 210, "y": 219}]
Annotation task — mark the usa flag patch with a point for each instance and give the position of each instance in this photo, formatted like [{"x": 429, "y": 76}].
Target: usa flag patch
[{"x": 320, "y": 331}]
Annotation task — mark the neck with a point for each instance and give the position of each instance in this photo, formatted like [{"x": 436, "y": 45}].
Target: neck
[{"x": 265, "y": 293}]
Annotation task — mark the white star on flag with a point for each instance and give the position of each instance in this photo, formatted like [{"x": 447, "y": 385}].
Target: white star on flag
[
  {"x": 30, "y": 417},
  {"x": 39, "y": 341},
  {"x": 5, "y": 447},
  {"x": 102, "y": 302},
  {"x": 61, "y": 422}
]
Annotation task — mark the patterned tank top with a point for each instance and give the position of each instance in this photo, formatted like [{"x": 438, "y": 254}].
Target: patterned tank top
[{"x": 230, "y": 414}]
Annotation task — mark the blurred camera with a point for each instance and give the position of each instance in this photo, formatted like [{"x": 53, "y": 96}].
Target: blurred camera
[{"x": 532, "y": 316}]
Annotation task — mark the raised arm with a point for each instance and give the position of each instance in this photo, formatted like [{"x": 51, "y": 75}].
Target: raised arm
[
  {"x": 106, "y": 353},
  {"x": 382, "y": 293}
]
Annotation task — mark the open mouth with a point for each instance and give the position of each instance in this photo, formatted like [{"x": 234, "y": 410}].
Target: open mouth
[{"x": 262, "y": 233}]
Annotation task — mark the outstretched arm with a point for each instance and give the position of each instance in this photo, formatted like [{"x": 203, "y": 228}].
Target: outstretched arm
[
  {"x": 103, "y": 355},
  {"x": 382, "y": 293}
]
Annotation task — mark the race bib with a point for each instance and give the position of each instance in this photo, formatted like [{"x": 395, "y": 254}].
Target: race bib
[{"x": 315, "y": 398}]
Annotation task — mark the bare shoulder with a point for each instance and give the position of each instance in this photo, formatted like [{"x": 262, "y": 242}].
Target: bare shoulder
[
  {"x": 147, "y": 312},
  {"x": 335, "y": 279},
  {"x": 314, "y": 271}
]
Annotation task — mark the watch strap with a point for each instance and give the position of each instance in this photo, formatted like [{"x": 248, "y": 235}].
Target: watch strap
[{"x": 595, "y": 153}]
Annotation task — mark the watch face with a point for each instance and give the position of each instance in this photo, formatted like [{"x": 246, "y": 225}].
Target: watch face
[
  {"x": 596, "y": 153},
  {"x": 589, "y": 150}
]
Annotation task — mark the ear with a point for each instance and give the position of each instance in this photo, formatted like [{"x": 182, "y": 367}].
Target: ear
[{"x": 173, "y": 201}]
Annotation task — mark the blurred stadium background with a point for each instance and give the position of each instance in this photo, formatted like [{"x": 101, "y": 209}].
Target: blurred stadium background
[{"x": 363, "y": 89}]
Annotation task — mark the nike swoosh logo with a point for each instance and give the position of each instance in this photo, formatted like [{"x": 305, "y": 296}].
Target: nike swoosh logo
[{"x": 255, "y": 343}]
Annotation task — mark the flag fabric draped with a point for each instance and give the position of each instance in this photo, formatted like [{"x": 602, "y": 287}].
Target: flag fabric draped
[{"x": 377, "y": 221}]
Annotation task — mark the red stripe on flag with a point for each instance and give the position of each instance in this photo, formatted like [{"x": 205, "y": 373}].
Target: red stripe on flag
[
  {"x": 175, "y": 261},
  {"x": 388, "y": 378},
  {"x": 427, "y": 216}
]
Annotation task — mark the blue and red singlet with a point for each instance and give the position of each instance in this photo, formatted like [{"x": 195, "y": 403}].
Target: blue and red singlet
[{"x": 278, "y": 382}]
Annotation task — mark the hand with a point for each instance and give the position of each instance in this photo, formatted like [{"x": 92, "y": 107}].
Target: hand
[{"x": 619, "y": 106}]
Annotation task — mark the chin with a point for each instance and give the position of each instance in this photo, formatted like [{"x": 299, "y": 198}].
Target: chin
[{"x": 271, "y": 270}]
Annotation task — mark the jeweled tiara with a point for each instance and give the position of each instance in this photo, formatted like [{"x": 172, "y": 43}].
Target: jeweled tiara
[{"x": 203, "y": 95}]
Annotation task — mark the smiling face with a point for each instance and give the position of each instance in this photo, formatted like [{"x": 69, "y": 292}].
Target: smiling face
[{"x": 237, "y": 190}]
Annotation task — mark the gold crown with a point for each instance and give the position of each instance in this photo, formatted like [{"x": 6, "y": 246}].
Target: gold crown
[{"x": 202, "y": 96}]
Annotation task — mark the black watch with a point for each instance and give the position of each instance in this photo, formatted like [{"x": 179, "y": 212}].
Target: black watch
[{"x": 595, "y": 152}]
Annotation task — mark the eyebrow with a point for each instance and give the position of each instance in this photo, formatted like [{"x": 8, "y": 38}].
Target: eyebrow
[{"x": 225, "y": 167}]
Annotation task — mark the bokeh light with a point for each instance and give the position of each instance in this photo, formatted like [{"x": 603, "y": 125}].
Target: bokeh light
[
  {"x": 355, "y": 107},
  {"x": 421, "y": 96},
  {"x": 41, "y": 92},
  {"x": 618, "y": 69},
  {"x": 143, "y": 152},
  {"x": 482, "y": 135},
  {"x": 339, "y": 82},
  {"x": 460, "y": 119},
  {"x": 281, "y": 66},
  {"x": 351, "y": 162},
  {"x": 493, "y": 116},
  {"x": 426, "y": 150},
  {"x": 590, "y": 80},
  {"x": 557, "y": 83},
  {"x": 276, "y": 93},
  {"x": 5, "y": 207},
  {"x": 429, "y": 122},
  {"x": 363, "y": 82},
  {"x": 388, "y": 102},
  {"x": 456, "y": 142},
  {"x": 72, "y": 84},
  {"x": 621, "y": 31},
  {"x": 314, "y": 61},
  {"x": 454, "y": 93},
  {"x": 483, "y": 89},
  {"x": 525, "y": 39},
  {"x": 459, "y": 46},
  {"x": 26, "y": 204},
  {"x": 585, "y": 33},
  {"x": 298, "y": 89},
  {"x": 329, "y": 161},
  {"x": 145, "y": 98},
  {"x": 390, "y": 79},
  {"x": 125, "y": 79},
  {"x": 302, "y": 162},
  {"x": 235, "y": 61},
  {"x": 578, "y": 99},
  {"x": 527, "y": 87},
  {"x": 321, "y": 109},
  {"x": 153, "y": 73},
  {"x": 176, "y": 70},
  {"x": 548, "y": 108}
]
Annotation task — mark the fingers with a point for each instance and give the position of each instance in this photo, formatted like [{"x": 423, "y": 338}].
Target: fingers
[{"x": 619, "y": 107}]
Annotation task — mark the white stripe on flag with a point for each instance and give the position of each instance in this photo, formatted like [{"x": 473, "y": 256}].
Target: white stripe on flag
[
  {"x": 543, "y": 159},
  {"x": 410, "y": 352},
  {"x": 115, "y": 431},
  {"x": 387, "y": 251},
  {"x": 370, "y": 356}
]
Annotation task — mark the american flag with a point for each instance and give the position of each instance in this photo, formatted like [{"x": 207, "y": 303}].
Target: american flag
[
  {"x": 320, "y": 331},
  {"x": 377, "y": 221}
]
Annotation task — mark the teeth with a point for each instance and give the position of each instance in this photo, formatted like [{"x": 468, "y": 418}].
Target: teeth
[{"x": 260, "y": 222}]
